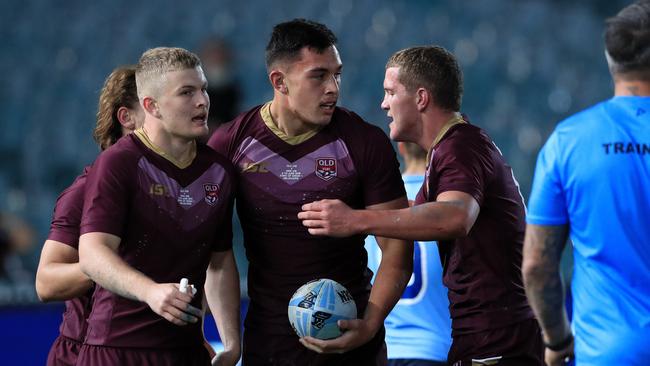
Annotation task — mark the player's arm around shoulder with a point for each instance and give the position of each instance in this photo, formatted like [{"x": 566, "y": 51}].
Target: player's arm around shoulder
[
  {"x": 223, "y": 296},
  {"x": 59, "y": 276},
  {"x": 452, "y": 215},
  {"x": 392, "y": 277}
]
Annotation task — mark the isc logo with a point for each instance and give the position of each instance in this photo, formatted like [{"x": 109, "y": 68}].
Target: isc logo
[{"x": 157, "y": 190}]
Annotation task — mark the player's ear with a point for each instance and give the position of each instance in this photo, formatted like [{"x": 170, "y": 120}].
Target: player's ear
[
  {"x": 278, "y": 81},
  {"x": 150, "y": 105},
  {"x": 422, "y": 99},
  {"x": 126, "y": 118}
]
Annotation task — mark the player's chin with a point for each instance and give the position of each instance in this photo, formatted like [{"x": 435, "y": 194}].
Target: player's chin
[
  {"x": 199, "y": 129},
  {"x": 323, "y": 119},
  {"x": 394, "y": 132}
]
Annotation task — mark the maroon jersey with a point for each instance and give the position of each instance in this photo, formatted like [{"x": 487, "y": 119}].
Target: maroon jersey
[
  {"x": 348, "y": 159},
  {"x": 169, "y": 220},
  {"x": 482, "y": 270},
  {"x": 65, "y": 229}
]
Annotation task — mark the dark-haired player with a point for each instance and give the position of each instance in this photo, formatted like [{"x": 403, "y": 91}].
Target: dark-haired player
[
  {"x": 295, "y": 149},
  {"x": 157, "y": 208},
  {"x": 59, "y": 276},
  {"x": 592, "y": 185},
  {"x": 470, "y": 203}
]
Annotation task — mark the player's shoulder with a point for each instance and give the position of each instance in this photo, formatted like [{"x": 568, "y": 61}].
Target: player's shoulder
[
  {"x": 235, "y": 128},
  {"x": 74, "y": 193},
  {"x": 244, "y": 119},
  {"x": 351, "y": 123},
  {"x": 77, "y": 186},
  {"x": 208, "y": 153},
  {"x": 120, "y": 157},
  {"x": 464, "y": 135},
  {"x": 125, "y": 147}
]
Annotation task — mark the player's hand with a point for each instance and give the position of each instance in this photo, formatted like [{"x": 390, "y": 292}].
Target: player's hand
[
  {"x": 226, "y": 358},
  {"x": 559, "y": 358},
  {"x": 358, "y": 332},
  {"x": 328, "y": 217},
  {"x": 166, "y": 300}
]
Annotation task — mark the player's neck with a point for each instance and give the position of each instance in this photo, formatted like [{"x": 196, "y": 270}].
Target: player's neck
[
  {"x": 178, "y": 150},
  {"x": 287, "y": 121},
  {"x": 631, "y": 88},
  {"x": 438, "y": 123}
]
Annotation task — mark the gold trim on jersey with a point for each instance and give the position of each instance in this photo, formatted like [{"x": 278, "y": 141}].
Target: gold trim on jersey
[
  {"x": 141, "y": 134},
  {"x": 456, "y": 119},
  {"x": 265, "y": 113}
]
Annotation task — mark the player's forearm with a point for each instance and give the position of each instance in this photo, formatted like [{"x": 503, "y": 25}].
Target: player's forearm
[
  {"x": 391, "y": 279},
  {"x": 223, "y": 295},
  {"x": 541, "y": 271},
  {"x": 100, "y": 262},
  {"x": 429, "y": 221},
  {"x": 61, "y": 281}
]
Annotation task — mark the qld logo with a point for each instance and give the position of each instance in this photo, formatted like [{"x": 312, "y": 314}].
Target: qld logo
[
  {"x": 211, "y": 193},
  {"x": 326, "y": 168}
]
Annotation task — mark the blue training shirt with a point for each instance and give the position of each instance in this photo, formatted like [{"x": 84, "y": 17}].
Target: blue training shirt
[
  {"x": 419, "y": 327},
  {"x": 593, "y": 174}
]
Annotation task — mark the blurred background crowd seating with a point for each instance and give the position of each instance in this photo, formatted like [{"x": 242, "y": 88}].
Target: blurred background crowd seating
[{"x": 527, "y": 64}]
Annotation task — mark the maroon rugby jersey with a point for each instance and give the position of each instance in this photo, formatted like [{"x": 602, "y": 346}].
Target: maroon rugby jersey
[
  {"x": 65, "y": 229},
  {"x": 169, "y": 220},
  {"x": 349, "y": 160},
  {"x": 482, "y": 270}
]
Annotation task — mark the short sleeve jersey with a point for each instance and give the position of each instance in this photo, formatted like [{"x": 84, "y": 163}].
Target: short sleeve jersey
[
  {"x": 593, "y": 175},
  {"x": 65, "y": 229},
  {"x": 482, "y": 270},
  {"x": 169, "y": 220},
  {"x": 349, "y": 160}
]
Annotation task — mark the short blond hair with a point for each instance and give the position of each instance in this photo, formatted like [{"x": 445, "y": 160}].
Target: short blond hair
[{"x": 156, "y": 62}]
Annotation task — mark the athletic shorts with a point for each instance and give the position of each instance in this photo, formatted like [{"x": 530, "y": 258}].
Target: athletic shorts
[
  {"x": 519, "y": 344},
  {"x": 261, "y": 349},
  {"x": 64, "y": 352},
  {"x": 122, "y": 356}
]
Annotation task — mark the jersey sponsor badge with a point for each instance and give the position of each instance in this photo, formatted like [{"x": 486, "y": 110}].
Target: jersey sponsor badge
[
  {"x": 326, "y": 168},
  {"x": 211, "y": 193}
]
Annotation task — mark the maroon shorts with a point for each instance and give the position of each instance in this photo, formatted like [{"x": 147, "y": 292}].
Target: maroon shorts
[
  {"x": 261, "y": 349},
  {"x": 519, "y": 344},
  {"x": 102, "y": 355},
  {"x": 64, "y": 352}
]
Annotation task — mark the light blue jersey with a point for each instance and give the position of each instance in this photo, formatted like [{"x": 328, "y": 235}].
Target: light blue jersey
[
  {"x": 419, "y": 327},
  {"x": 594, "y": 175}
]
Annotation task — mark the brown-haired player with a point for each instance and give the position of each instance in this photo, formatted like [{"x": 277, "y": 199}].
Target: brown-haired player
[
  {"x": 470, "y": 203},
  {"x": 59, "y": 276}
]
